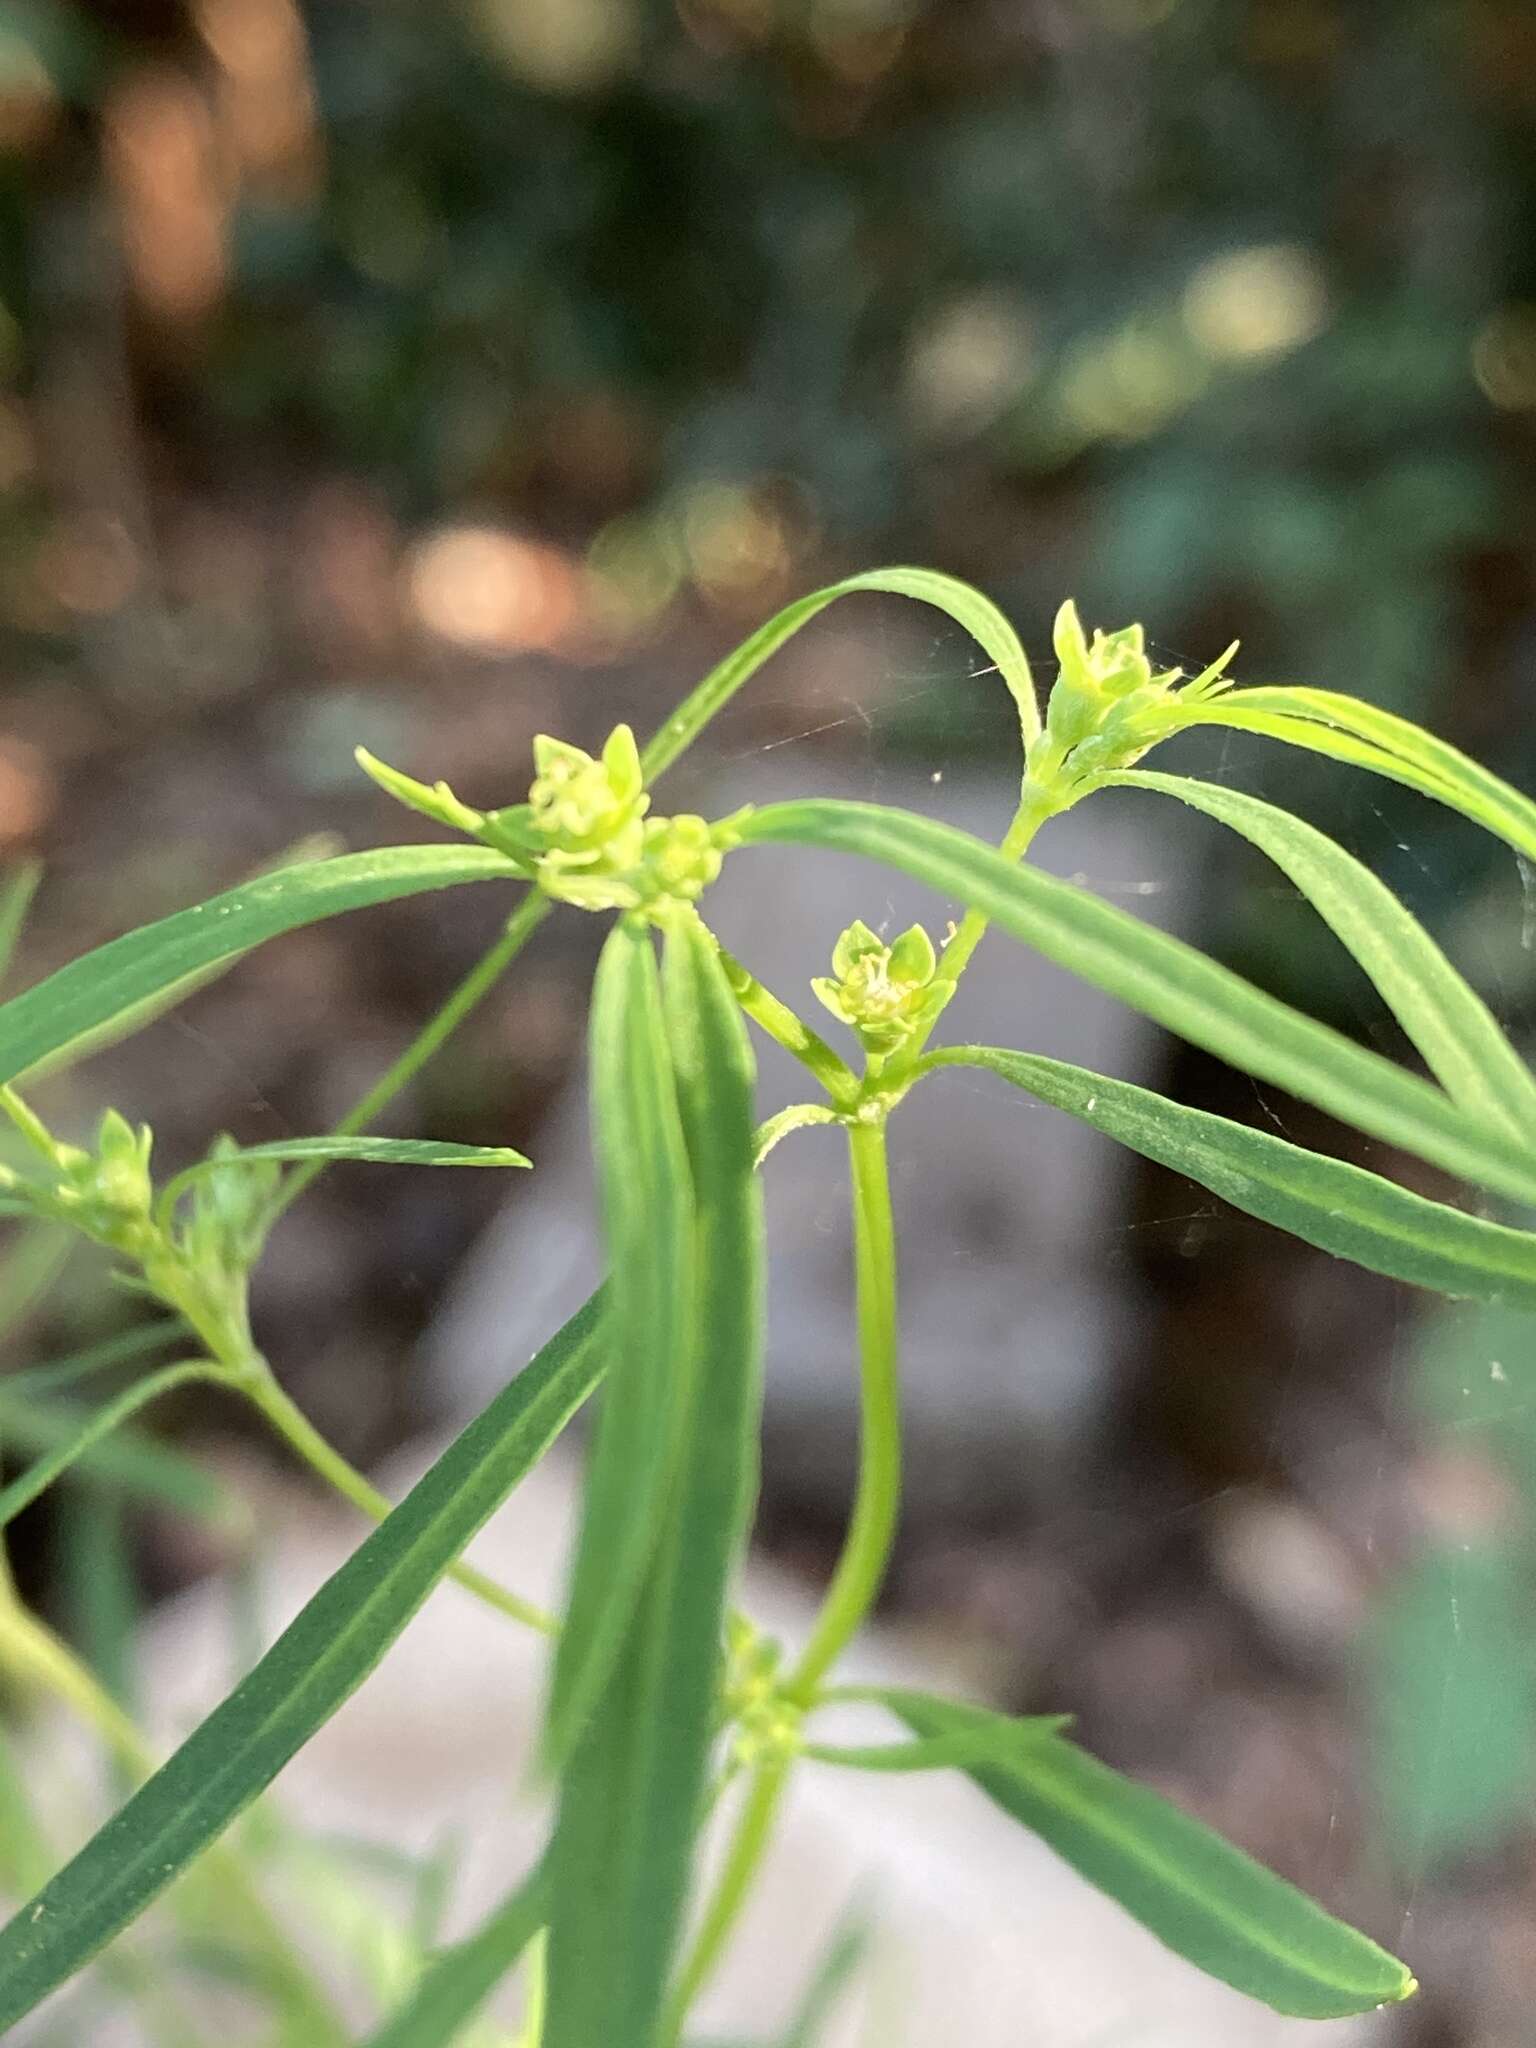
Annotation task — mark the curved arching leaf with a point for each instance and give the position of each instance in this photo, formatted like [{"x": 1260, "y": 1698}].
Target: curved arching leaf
[
  {"x": 1347, "y": 729},
  {"x": 91, "y": 993},
  {"x": 966, "y": 606},
  {"x": 1451, "y": 1025},
  {"x": 1205, "y": 1899},
  {"x": 1327, "y": 1202},
  {"x": 1169, "y": 981}
]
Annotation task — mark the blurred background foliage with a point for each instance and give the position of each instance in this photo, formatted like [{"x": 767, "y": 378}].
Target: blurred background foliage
[
  {"x": 503, "y": 326},
  {"x": 1203, "y": 310},
  {"x": 379, "y": 370}
]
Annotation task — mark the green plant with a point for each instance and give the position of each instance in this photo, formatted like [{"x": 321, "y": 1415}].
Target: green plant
[{"x": 664, "y": 1700}]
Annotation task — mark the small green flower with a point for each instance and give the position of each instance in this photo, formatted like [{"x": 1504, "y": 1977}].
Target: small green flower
[
  {"x": 588, "y": 811},
  {"x": 106, "y": 1193},
  {"x": 885, "y": 994},
  {"x": 1095, "y": 675}
]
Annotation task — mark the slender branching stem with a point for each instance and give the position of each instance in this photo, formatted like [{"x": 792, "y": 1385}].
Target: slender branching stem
[
  {"x": 472, "y": 990},
  {"x": 1037, "y": 805},
  {"x": 306, "y": 1442},
  {"x": 861, "y": 1568},
  {"x": 749, "y": 1843},
  {"x": 30, "y": 1125},
  {"x": 41, "y": 1474},
  {"x": 866, "y": 1551},
  {"x": 787, "y": 1029}
]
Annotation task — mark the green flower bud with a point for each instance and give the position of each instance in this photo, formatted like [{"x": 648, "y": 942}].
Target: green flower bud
[
  {"x": 121, "y": 1181},
  {"x": 106, "y": 1193},
  {"x": 681, "y": 856},
  {"x": 1107, "y": 705},
  {"x": 229, "y": 1210},
  {"x": 587, "y": 810},
  {"x": 883, "y": 993}
]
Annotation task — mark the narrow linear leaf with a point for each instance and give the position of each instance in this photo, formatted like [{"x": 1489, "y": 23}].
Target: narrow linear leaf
[
  {"x": 137, "y": 1016},
  {"x": 647, "y": 1204},
  {"x": 122, "y": 1349},
  {"x": 319, "y": 1661},
  {"x": 1169, "y": 981},
  {"x": 957, "y": 1751},
  {"x": 800, "y": 1116},
  {"x": 634, "y": 1787},
  {"x": 58, "y": 1015},
  {"x": 79, "y": 1440},
  {"x": 364, "y": 1150},
  {"x": 116, "y": 1456},
  {"x": 1338, "y": 1207},
  {"x": 965, "y": 605},
  {"x": 1206, "y": 1900},
  {"x": 1346, "y": 729},
  {"x": 457, "y": 1982},
  {"x": 1451, "y": 1025}
]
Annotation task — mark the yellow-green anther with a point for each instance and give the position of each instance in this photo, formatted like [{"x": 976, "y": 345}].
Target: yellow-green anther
[{"x": 884, "y": 993}]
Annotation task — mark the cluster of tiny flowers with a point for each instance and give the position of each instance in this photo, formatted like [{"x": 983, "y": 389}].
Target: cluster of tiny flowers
[
  {"x": 583, "y": 834},
  {"x": 598, "y": 849},
  {"x": 1104, "y": 708}
]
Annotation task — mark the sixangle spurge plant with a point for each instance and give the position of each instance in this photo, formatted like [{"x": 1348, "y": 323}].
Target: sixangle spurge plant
[{"x": 663, "y": 1700}]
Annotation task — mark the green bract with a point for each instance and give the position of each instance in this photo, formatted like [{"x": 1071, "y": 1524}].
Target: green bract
[{"x": 663, "y": 1698}]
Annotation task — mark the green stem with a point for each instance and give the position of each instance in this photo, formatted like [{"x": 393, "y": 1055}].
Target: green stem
[
  {"x": 31, "y": 1126},
  {"x": 860, "y": 1569},
  {"x": 754, "y": 1830},
  {"x": 1037, "y": 805},
  {"x": 301, "y": 1436},
  {"x": 786, "y": 1029},
  {"x": 877, "y": 1502},
  {"x": 476, "y": 985}
]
